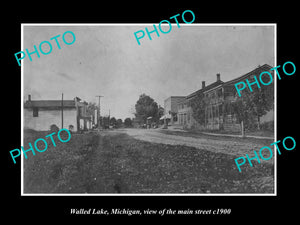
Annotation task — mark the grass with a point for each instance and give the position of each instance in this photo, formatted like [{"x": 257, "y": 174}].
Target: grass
[
  {"x": 198, "y": 134},
  {"x": 261, "y": 133},
  {"x": 117, "y": 163}
]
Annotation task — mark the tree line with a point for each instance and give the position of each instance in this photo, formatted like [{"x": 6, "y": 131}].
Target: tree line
[{"x": 107, "y": 120}]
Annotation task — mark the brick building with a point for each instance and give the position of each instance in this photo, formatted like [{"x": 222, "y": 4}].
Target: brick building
[{"x": 171, "y": 109}]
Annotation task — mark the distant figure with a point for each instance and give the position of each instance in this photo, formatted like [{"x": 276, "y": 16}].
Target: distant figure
[{"x": 71, "y": 128}]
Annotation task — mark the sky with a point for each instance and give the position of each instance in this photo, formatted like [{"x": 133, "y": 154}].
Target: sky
[{"x": 107, "y": 60}]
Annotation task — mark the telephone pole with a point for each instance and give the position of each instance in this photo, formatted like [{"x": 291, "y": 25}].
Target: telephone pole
[
  {"x": 108, "y": 118},
  {"x": 99, "y": 96},
  {"x": 62, "y": 110}
]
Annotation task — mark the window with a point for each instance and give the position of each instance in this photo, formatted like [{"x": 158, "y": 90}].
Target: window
[
  {"x": 209, "y": 112},
  {"x": 220, "y": 92},
  {"x": 35, "y": 112}
]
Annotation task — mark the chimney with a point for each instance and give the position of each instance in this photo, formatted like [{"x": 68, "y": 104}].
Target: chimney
[
  {"x": 218, "y": 77},
  {"x": 203, "y": 84},
  {"x": 29, "y": 98}
]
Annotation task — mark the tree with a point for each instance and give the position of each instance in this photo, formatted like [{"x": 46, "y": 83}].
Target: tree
[
  {"x": 146, "y": 107},
  {"x": 91, "y": 107},
  {"x": 119, "y": 123},
  {"x": 105, "y": 121},
  {"x": 241, "y": 112},
  {"x": 90, "y": 110},
  {"x": 128, "y": 122},
  {"x": 160, "y": 112},
  {"x": 253, "y": 105},
  {"x": 261, "y": 101},
  {"x": 198, "y": 105},
  {"x": 113, "y": 121}
]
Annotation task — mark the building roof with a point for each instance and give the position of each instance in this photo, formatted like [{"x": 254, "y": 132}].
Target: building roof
[
  {"x": 177, "y": 97},
  {"x": 49, "y": 104},
  {"x": 212, "y": 85},
  {"x": 256, "y": 71}
]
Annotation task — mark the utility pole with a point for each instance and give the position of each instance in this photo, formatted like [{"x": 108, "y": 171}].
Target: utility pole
[
  {"x": 62, "y": 110},
  {"x": 108, "y": 118},
  {"x": 99, "y": 96}
]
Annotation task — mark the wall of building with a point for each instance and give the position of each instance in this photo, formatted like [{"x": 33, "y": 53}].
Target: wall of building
[
  {"x": 215, "y": 116},
  {"x": 48, "y": 117},
  {"x": 167, "y": 105},
  {"x": 215, "y": 119},
  {"x": 171, "y": 104},
  {"x": 213, "y": 110},
  {"x": 185, "y": 117},
  {"x": 174, "y": 103},
  {"x": 171, "y": 107}
]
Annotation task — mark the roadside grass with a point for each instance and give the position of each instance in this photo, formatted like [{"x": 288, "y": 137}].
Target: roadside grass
[
  {"x": 261, "y": 133},
  {"x": 198, "y": 134},
  {"x": 118, "y": 163}
]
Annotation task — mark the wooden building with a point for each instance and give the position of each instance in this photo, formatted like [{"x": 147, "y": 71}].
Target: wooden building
[
  {"x": 218, "y": 112},
  {"x": 41, "y": 114}
]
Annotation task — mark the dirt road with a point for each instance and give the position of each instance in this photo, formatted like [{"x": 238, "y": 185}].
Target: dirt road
[
  {"x": 227, "y": 145},
  {"x": 114, "y": 162}
]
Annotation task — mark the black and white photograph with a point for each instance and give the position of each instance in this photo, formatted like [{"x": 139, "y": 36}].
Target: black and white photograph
[
  {"x": 129, "y": 109},
  {"x": 150, "y": 112}
]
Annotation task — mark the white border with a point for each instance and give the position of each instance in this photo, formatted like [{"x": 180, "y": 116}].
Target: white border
[
  {"x": 275, "y": 110},
  {"x": 22, "y": 110},
  {"x": 149, "y": 24}
]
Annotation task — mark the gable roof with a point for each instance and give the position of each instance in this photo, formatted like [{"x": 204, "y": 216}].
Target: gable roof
[
  {"x": 256, "y": 71},
  {"x": 212, "y": 85},
  {"x": 177, "y": 97}
]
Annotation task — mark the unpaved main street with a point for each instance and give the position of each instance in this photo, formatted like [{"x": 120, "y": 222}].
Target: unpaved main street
[
  {"x": 145, "y": 161},
  {"x": 233, "y": 146}
]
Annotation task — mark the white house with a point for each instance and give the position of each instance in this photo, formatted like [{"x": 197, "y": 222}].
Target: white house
[{"x": 41, "y": 114}]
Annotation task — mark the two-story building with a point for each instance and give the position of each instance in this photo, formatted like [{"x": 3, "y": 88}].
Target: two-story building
[
  {"x": 41, "y": 114},
  {"x": 218, "y": 111},
  {"x": 213, "y": 93},
  {"x": 171, "y": 109}
]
